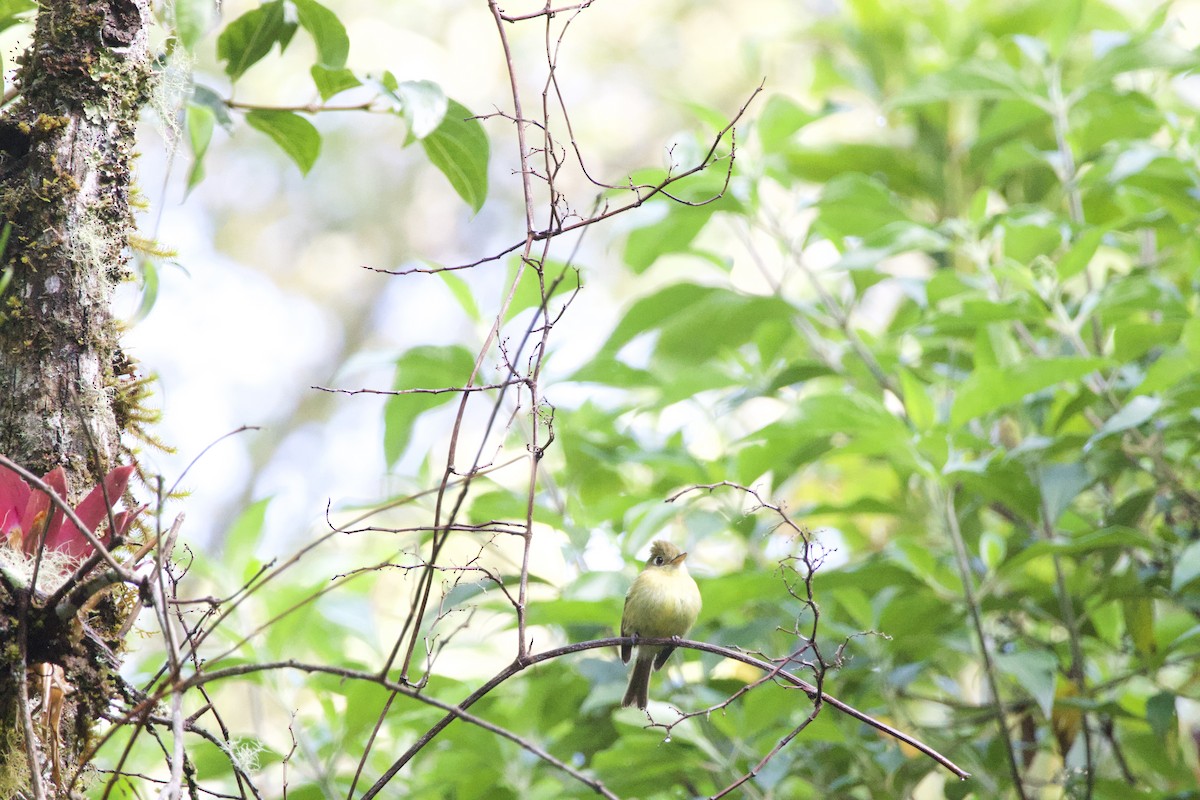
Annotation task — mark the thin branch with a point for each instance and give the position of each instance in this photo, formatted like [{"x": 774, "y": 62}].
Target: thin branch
[
  {"x": 455, "y": 268},
  {"x": 308, "y": 108},
  {"x": 21, "y": 670},
  {"x": 401, "y": 392},
  {"x": 522, "y": 147},
  {"x": 783, "y": 742},
  {"x": 546, "y": 12},
  {"x": 644, "y": 192},
  {"x": 989, "y": 665},
  {"x": 241, "y": 429},
  {"x": 1069, "y": 619}
]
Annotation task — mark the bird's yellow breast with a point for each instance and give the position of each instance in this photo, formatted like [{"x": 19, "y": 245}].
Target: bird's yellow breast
[{"x": 661, "y": 602}]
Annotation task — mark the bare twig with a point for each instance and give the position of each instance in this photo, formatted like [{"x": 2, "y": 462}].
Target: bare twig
[
  {"x": 989, "y": 665},
  {"x": 546, "y": 12},
  {"x": 21, "y": 670}
]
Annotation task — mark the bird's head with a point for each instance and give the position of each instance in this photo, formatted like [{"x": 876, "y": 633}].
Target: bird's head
[{"x": 664, "y": 555}]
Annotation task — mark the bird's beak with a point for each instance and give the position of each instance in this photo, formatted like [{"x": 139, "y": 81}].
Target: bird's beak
[{"x": 679, "y": 558}]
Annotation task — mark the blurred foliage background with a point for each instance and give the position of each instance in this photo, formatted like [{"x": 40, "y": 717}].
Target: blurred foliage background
[{"x": 944, "y": 314}]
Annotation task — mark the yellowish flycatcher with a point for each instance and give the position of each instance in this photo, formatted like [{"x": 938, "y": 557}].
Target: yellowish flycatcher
[{"x": 663, "y": 602}]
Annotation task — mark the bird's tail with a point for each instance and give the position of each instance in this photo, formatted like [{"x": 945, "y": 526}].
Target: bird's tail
[{"x": 638, "y": 692}]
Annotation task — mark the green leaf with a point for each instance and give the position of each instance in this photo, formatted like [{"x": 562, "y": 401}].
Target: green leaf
[
  {"x": 1132, "y": 508},
  {"x": 1006, "y": 121},
  {"x": 199, "y": 121},
  {"x": 780, "y": 446},
  {"x": 387, "y": 82},
  {"x": 1138, "y": 613},
  {"x": 565, "y": 611},
  {"x": 1063, "y": 29},
  {"x": 12, "y": 12},
  {"x": 295, "y": 135},
  {"x": 676, "y": 225},
  {"x": 426, "y": 367},
  {"x": 1168, "y": 371},
  {"x": 459, "y": 148},
  {"x": 897, "y": 168},
  {"x": 1059, "y": 485},
  {"x": 191, "y": 18},
  {"x": 671, "y": 234},
  {"x": 462, "y": 293},
  {"x": 247, "y": 39},
  {"x": 695, "y": 322},
  {"x": 967, "y": 313},
  {"x": 918, "y": 402},
  {"x": 855, "y": 414},
  {"x": 1162, "y": 715},
  {"x": 1077, "y": 258},
  {"x": 924, "y": 565},
  {"x": 889, "y": 240},
  {"x": 797, "y": 372},
  {"x": 992, "y": 549},
  {"x": 5, "y": 232},
  {"x": 149, "y": 279},
  {"x": 1187, "y": 567},
  {"x": 1132, "y": 339},
  {"x": 1189, "y": 337},
  {"x": 1108, "y": 115},
  {"x": 332, "y": 81},
  {"x": 1134, "y": 413},
  {"x": 990, "y": 388},
  {"x": 1035, "y": 672},
  {"x": 856, "y": 205},
  {"x": 780, "y": 120},
  {"x": 423, "y": 105},
  {"x": 333, "y": 45},
  {"x": 1139, "y": 293},
  {"x": 1149, "y": 53},
  {"x": 1116, "y": 538},
  {"x": 1030, "y": 234},
  {"x": 990, "y": 79},
  {"x": 243, "y": 538},
  {"x": 857, "y": 606},
  {"x": 204, "y": 96}
]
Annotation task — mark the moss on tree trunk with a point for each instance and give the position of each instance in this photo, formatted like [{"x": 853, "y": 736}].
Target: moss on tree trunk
[{"x": 65, "y": 178}]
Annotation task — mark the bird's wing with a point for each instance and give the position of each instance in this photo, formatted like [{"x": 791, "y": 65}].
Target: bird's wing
[{"x": 626, "y": 649}]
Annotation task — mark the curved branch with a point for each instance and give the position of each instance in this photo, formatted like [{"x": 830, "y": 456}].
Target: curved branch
[{"x": 616, "y": 641}]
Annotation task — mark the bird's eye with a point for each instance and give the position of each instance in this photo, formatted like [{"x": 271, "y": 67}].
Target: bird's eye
[{"x": 658, "y": 561}]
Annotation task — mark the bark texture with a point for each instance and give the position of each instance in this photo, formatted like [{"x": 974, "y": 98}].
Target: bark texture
[
  {"x": 66, "y": 152},
  {"x": 66, "y": 148}
]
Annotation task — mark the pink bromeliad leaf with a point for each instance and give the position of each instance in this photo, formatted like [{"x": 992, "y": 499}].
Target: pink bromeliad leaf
[
  {"x": 65, "y": 535},
  {"x": 40, "y": 514},
  {"x": 14, "y": 498}
]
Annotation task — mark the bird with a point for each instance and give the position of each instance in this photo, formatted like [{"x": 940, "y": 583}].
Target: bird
[{"x": 663, "y": 601}]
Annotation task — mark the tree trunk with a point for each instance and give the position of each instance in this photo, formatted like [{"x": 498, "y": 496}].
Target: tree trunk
[
  {"x": 66, "y": 147},
  {"x": 65, "y": 180}
]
